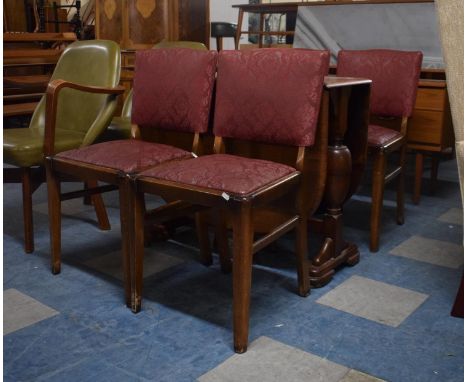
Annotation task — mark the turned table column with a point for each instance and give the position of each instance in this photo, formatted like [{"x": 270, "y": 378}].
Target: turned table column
[{"x": 347, "y": 150}]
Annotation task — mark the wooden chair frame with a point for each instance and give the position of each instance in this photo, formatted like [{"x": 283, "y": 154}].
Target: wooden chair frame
[
  {"x": 380, "y": 177},
  {"x": 32, "y": 177},
  {"x": 60, "y": 168},
  {"x": 243, "y": 210}
]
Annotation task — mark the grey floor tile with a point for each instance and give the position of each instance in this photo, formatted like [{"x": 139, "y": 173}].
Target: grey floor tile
[
  {"x": 452, "y": 216},
  {"x": 153, "y": 262},
  {"x": 431, "y": 251},
  {"x": 269, "y": 360},
  {"x": 373, "y": 300},
  {"x": 20, "y": 311},
  {"x": 357, "y": 376}
]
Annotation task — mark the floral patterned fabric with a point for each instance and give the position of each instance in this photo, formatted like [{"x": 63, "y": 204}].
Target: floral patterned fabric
[
  {"x": 172, "y": 89},
  {"x": 129, "y": 156},
  {"x": 270, "y": 95},
  {"x": 380, "y": 136},
  {"x": 232, "y": 174},
  {"x": 394, "y": 75}
]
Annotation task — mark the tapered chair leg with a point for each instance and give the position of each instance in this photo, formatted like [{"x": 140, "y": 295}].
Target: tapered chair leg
[
  {"x": 301, "y": 257},
  {"x": 222, "y": 242},
  {"x": 378, "y": 183},
  {"x": 99, "y": 207},
  {"x": 242, "y": 274},
  {"x": 136, "y": 239},
  {"x": 400, "y": 218},
  {"x": 55, "y": 218},
  {"x": 26, "y": 181},
  {"x": 126, "y": 227},
  {"x": 201, "y": 224}
]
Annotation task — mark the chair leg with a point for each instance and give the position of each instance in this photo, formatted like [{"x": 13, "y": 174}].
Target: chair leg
[
  {"x": 136, "y": 207},
  {"x": 302, "y": 263},
  {"x": 87, "y": 198},
  {"x": 378, "y": 183},
  {"x": 400, "y": 219},
  {"x": 418, "y": 174},
  {"x": 26, "y": 181},
  {"x": 201, "y": 223},
  {"x": 242, "y": 274},
  {"x": 126, "y": 227},
  {"x": 55, "y": 216},
  {"x": 99, "y": 207},
  {"x": 222, "y": 242}
]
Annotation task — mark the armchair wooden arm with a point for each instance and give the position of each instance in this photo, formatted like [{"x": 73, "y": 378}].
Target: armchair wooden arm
[{"x": 52, "y": 96}]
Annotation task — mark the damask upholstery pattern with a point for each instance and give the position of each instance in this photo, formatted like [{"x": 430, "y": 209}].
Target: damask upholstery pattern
[
  {"x": 379, "y": 136},
  {"x": 394, "y": 76},
  {"x": 129, "y": 155},
  {"x": 172, "y": 89},
  {"x": 249, "y": 105},
  {"x": 232, "y": 174}
]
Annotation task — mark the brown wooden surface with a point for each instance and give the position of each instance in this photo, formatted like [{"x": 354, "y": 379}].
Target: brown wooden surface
[
  {"x": 19, "y": 109},
  {"x": 137, "y": 25},
  {"x": 347, "y": 153},
  {"x": 14, "y": 16},
  {"x": 28, "y": 37},
  {"x": 194, "y": 21}
]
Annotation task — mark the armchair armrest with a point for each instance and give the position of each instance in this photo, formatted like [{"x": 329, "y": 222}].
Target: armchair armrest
[{"x": 52, "y": 94}]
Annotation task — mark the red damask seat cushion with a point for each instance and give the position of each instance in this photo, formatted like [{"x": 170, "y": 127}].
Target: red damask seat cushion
[
  {"x": 379, "y": 136},
  {"x": 235, "y": 175},
  {"x": 129, "y": 155},
  {"x": 172, "y": 89}
]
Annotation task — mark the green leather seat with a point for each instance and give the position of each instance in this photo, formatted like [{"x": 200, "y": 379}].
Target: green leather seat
[
  {"x": 81, "y": 116},
  {"x": 120, "y": 127}
]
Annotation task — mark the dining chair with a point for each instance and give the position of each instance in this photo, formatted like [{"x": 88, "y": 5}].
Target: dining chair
[
  {"x": 120, "y": 127},
  {"x": 265, "y": 125},
  {"x": 172, "y": 102},
  {"x": 395, "y": 76},
  {"x": 85, "y": 76}
]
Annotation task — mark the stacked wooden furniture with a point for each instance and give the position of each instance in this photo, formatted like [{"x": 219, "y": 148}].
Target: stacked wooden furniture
[{"x": 28, "y": 61}]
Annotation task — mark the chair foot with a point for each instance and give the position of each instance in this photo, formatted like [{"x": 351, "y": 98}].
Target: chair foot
[
  {"x": 56, "y": 269},
  {"x": 239, "y": 349},
  {"x": 135, "y": 305}
]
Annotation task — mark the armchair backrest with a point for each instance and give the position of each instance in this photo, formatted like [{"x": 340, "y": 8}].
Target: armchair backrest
[
  {"x": 92, "y": 63},
  {"x": 394, "y": 75},
  {"x": 172, "y": 89},
  {"x": 270, "y": 95}
]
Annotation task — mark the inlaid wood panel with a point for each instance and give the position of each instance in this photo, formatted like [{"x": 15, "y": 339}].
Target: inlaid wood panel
[
  {"x": 109, "y": 20},
  {"x": 140, "y": 24},
  {"x": 147, "y": 23}
]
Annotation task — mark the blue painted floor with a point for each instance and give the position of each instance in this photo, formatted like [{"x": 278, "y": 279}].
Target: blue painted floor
[{"x": 184, "y": 329}]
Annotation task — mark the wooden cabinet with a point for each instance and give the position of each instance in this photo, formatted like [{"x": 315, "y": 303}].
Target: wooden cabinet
[
  {"x": 139, "y": 24},
  {"x": 430, "y": 128}
]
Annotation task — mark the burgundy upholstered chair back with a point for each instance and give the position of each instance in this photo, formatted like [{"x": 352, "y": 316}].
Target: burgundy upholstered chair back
[
  {"x": 172, "y": 89},
  {"x": 270, "y": 95},
  {"x": 394, "y": 75}
]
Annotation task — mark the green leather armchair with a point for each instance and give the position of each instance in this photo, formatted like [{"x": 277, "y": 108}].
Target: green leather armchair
[
  {"x": 120, "y": 127},
  {"x": 84, "y": 97}
]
